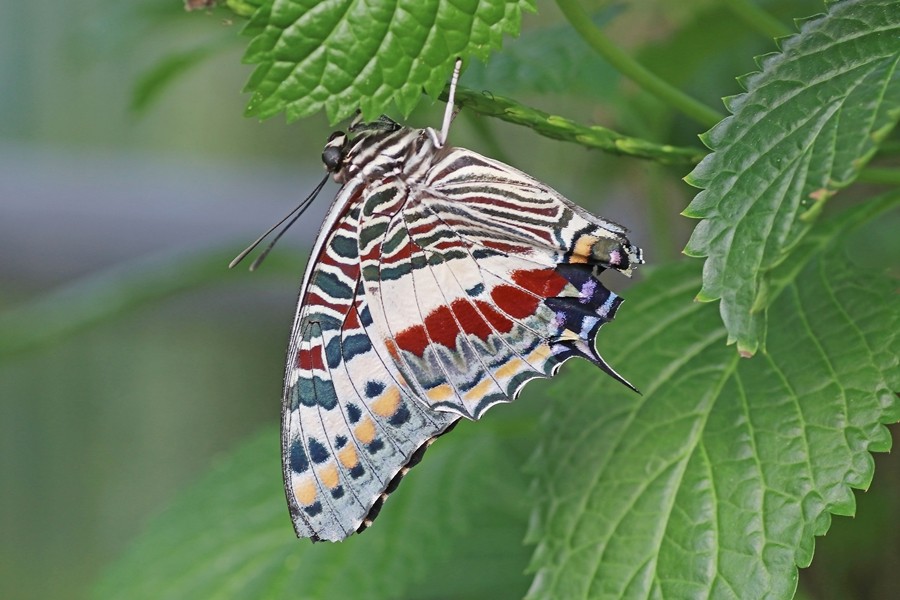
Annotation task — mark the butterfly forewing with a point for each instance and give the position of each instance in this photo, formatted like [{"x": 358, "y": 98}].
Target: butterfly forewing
[
  {"x": 442, "y": 282},
  {"x": 501, "y": 202},
  {"x": 349, "y": 423}
]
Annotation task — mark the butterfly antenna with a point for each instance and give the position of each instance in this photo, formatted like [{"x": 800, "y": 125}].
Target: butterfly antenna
[
  {"x": 448, "y": 111},
  {"x": 300, "y": 209}
]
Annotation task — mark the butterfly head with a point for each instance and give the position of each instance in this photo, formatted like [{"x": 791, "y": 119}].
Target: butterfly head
[{"x": 335, "y": 152}]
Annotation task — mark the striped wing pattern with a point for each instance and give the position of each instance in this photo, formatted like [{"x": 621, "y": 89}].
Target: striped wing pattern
[{"x": 441, "y": 283}]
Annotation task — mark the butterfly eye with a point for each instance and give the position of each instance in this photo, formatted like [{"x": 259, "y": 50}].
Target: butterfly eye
[{"x": 333, "y": 154}]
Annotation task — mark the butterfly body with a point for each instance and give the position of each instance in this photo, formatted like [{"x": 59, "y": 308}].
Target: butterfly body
[{"x": 441, "y": 282}]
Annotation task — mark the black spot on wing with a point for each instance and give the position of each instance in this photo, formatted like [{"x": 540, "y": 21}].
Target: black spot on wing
[
  {"x": 298, "y": 461},
  {"x": 400, "y": 417},
  {"x": 313, "y": 509},
  {"x": 317, "y": 452},
  {"x": 374, "y": 388}
]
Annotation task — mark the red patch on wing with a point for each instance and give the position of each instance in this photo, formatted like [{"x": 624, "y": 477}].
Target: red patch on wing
[
  {"x": 543, "y": 282},
  {"x": 403, "y": 253},
  {"x": 497, "y": 320},
  {"x": 481, "y": 318},
  {"x": 470, "y": 320},
  {"x": 351, "y": 320},
  {"x": 441, "y": 327},
  {"x": 444, "y": 324},
  {"x": 513, "y": 301},
  {"x": 517, "y": 302},
  {"x": 310, "y": 359},
  {"x": 412, "y": 339}
]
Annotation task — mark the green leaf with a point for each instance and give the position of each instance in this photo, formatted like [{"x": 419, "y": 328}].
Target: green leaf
[
  {"x": 714, "y": 482},
  {"x": 808, "y": 123},
  {"x": 824, "y": 235},
  {"x": 548, "y": 60},
  {"x": 244, "y": 8},
  {"x": 460, "y": 512},
  {"x": 343, "y": 55}
]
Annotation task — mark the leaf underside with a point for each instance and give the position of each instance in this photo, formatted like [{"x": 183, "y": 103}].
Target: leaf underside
[
  {"x": 344, "y": 55},
  {"x": 714, "y": 483},
  {"x": 810, "y": 120}
]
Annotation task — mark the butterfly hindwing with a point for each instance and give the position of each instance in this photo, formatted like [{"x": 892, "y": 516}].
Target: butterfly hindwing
[
  {"x": 500, "y": 208},
  {"x": 482, "y": 279}
]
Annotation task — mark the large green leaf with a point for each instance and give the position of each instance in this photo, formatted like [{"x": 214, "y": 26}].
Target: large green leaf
[
  {"x": 461, "y": 511},
  {"x": 809, "y": 121},
  {"x": 714, "y": 483},
  {"x": 368, "y": 54}
]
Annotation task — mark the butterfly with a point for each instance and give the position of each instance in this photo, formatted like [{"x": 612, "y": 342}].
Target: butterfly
[{"x": 441, "y": 282}]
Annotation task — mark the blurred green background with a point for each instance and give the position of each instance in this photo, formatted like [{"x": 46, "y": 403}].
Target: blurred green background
[{"x": 100, "y": 430}]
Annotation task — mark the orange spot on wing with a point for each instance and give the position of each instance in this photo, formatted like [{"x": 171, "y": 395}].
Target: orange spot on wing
[
  {"x": 539, "y": 354},
  {"x": 386, "y": 405},
  {"x": 392, "y": 348},
  {"x": 347, "y": 456},
  {"x": 305, "y": 491},
  {"x": 365, "y": 431},
  {"x": 511, "y": 368},
  {"x": 329, "y": 476},
  {"x": 441, "y": 392},
  {"x": 479, "y": 391},
  {"x": 582, "y": 250}
]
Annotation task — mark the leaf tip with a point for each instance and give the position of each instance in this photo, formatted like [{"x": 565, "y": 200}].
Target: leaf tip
[
  {"x": 747, "y": 348},
  {"x": 690, "y": 251},
  {"x": 733, "y": 103},
  {"x": 704, "y": 297},
  {"x": 253, "y": 105}
]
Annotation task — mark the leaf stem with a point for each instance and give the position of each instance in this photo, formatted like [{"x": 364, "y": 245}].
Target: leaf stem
[
  {"x": 879, "y": 175},
  {"x": 889, "y": 148},
  {"x": 625, "y": 64},
  {"x": 758, "y": 19},
  {"x": 560, "y": 128}
]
